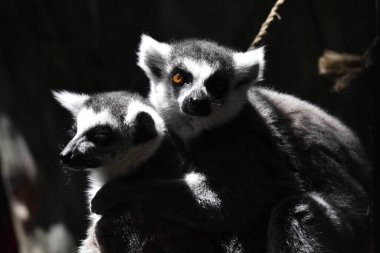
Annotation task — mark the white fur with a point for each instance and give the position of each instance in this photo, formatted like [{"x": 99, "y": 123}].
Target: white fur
[
  {"x": 245, "y": 60},
  {"x": 309, "y": 244},
  {"x": 90, "y": 244},
  {"x": 125, "y": 163},
  {"x": 151, "y": 48},
  {"x": 200, "y": 70},
  {"x": 202, "y": 193},
  {"x": 159, "y": 95},
  {"x": 185, "y": 125},
  {"x": 169, "y": 105},
  {"x": 193, "y": 178},
  {"x": 301, "y": 208},
  {"x": 121, "y": 165},
  {"x": 85, "y": 146},
  {"x": 329, "y": 209},
  {"x": 88, "y": 118},
  {"x": 98, "y": 177},
  {"x": 70, "y": 100},
  {"x": 136, "y": 107}
]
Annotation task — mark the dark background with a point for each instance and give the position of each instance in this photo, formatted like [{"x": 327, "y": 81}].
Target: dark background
[{"x": 90, "y": 45}]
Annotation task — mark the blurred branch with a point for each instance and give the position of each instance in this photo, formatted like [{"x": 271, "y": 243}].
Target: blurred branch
[{"x": 343, "y": 68}]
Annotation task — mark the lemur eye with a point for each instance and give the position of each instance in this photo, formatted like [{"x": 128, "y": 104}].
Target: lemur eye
[
  {"x": 178, "y": 79},
  {"x": 101, "y": 135}
]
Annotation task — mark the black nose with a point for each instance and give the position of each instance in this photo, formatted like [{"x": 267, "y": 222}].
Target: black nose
[
  {"x": 70, "y": 159},
  {"x": 66, "y": 157},
  {"x": 77, "y": 160},
  {"x": 197, "y": 104}
]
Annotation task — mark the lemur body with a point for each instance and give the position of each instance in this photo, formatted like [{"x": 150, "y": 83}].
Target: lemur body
[
  {"x": 278, "y": 172},
  {"x": 119, "y": 133}
]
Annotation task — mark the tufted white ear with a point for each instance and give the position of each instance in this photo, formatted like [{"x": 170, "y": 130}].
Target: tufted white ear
[
  {"x": 152, "y": 56},
  {"x": 70, "y": 100},
  {"x": 250, "y": 65}
]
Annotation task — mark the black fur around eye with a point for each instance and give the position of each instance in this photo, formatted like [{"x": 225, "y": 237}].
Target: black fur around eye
[
  {"x": 101, "y": 135},
  {"x": 217, "y": 86},
  {"x": 185, "y": 77}
]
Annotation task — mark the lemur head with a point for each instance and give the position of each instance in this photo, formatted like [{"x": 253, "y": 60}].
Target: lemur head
[
  {"x": 197, "y": 84},
  {"x": 114, "y": 131}
]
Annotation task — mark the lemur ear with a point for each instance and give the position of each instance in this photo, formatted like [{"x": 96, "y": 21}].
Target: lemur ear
[
  {"x": 145, "y": 128},
  {"x": 70, "y": 100},
  {"x": 152, "y": 56},
  {"x": 249, "y": 66}
]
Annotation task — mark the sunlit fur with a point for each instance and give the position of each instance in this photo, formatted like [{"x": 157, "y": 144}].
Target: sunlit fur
[
  {"x": 281, "y": 168},
  {"x": 159, "y": 59},
  {"x": 118, "y": 110}
]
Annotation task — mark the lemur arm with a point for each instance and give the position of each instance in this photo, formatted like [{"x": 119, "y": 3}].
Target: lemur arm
[{"x": 188, "y": 200}]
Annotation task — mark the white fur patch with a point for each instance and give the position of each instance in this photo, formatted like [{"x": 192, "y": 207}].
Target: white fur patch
[
  {"x": 149, "y": 49},
  {"x": 169, "y": 104},
  {"x": 245, "y": 60},
  {"x": 96, "y": 181},
  {"x": 302, "y": 237},
  {"x": 88, "y": 118},
  {"x": 159, "y": 95},
  {"x": 90, "y": 244},
  {"x": 188, "y": 127},
  {"x": 70, "y": 100},
  {"x": 301, "y": 208},
  {"x": 128, "y": 160},
  {"x": 84, "y": 146},
  {"x": 193, "y": 178},
  {"x": 329, "y": 210},
  {"x": 203, "y": 194},
  {"x": 200, "y": 70},
  {"x": 136, "y": 107}
]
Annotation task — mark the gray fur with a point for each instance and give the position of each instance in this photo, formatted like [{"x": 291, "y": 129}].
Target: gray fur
[
  {"x": 116, "y": 101},
  {"x": 203, "y": 50},
  {"x": 269, "y": 170},
  {"x": 129, "y": 230},
  {"x": 208, "y": 66}
]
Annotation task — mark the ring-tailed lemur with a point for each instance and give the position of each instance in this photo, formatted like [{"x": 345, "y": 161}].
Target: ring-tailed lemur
[
  {"x": 119, "y": 133},
  {"x": 278, "y": 171}
]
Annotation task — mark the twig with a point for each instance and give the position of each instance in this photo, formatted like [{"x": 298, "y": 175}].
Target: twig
[{"x": 264, "y": 27}]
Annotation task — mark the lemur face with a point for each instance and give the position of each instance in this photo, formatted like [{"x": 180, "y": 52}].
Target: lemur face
[
  {"x": 114, "y": 130},
  {"x": 196, "y": 81}
]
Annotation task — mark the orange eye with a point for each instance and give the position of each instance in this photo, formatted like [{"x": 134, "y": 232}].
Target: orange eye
[{"x": 177, "y": 79}]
